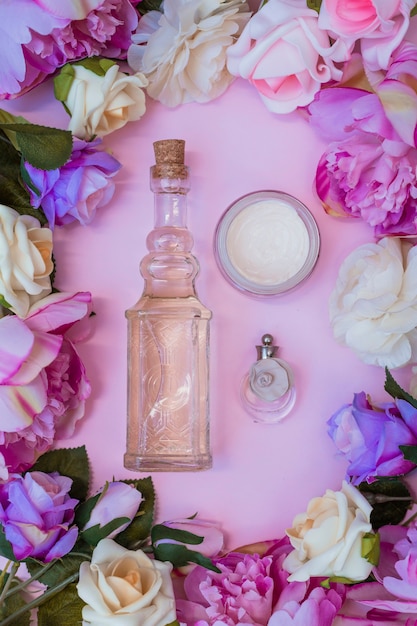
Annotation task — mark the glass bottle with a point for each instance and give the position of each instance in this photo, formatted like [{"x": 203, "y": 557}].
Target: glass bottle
[
  {"x": 168, "y": 336},
  {"x": 267, "y": 391}
]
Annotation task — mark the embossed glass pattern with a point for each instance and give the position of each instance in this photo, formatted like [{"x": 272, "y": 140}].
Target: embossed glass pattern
[{"x": 168, "y": 337}]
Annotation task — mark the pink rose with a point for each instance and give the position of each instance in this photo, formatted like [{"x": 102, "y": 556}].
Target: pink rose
[
  {"x": 285, "y": 55},
  {"x": 379, "y": 24}
]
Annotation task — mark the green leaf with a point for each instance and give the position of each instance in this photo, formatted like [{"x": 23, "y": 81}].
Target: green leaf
[
  {"x": 139, "y": 529},
  {"x": 160, "y": 531},
  {"x": 409, "y": 453},
  {"x": 61, "y": 569},
  {"x": 370, "y": 547},
  {"x": 12, "y": 604},
  {"x": 314, "y": 4},
  {"x": 96, "y": 533},
  {"x": 71, "y": 462},
  {"x": 64, "y": 609},
  {"x": 12, "y": 191},
  {"x": 149, "y": 5},
  {"x": 63, "y": 82},
  {"x": 6, "y": 549},
  {"x": 43, "y": 147},
  {"x": 413, "y": 11},
  {"x": 180, "y": 555},
  {"x": 393, "y": 388},
  {"x": 337, "y": 579},
  {"x": 390, "y": 499}
]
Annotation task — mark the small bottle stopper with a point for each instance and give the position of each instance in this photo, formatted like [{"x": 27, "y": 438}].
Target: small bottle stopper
[
  {"x": 169, "y": 159},
  {"x": 268, "y": 391}
]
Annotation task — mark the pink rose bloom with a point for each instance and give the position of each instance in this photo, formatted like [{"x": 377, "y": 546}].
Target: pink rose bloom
[
  {"x": 37, "y": 37},
  {"x": 43, "y": 384},
  {"x": 367, "y": 171},
  {"x": 285, "y": 55},
  {"x": 118, "y": 499},
  {"x": 379, "y": 24},
  {"x": 212, "y": 537}
]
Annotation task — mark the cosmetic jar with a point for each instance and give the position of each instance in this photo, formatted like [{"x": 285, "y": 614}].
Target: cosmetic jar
[{"x": 266, "y": 243}]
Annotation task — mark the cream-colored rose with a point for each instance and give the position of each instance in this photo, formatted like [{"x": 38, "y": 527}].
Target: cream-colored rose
[
  {"x": 125, "y": 588},
  {"x": 373, "y": 308},
  {"x": 25, "y": 260},
  {"x": 100, "y": 105},
  {"x": 185, "y": 53},
  {"x": 327, "y": 539}
]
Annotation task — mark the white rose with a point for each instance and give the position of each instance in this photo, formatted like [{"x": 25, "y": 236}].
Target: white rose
[
  {"x": 25, "y": 260},
  {"x": 268, "y": 380},
  {"x": 185, "y": 53},
  {"x": 100, "y": 105},
  {"x": 327, "y": 539},
  {"x": 373, "y": 308},
  {"x": 125, "y": 588}
]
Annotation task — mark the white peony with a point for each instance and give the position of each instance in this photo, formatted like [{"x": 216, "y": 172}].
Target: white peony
[
  {"x": 185, "y": 53},
  {"x": 373, "y": 308},
  {"x": 25, "y": 260},
  {"x": 100, "y": 105},
  {"x": 327, "y": 539}
]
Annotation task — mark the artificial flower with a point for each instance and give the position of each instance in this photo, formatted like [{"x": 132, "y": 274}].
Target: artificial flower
[
  {"x": 318, "y": 608},
  {"x": 39, "y": 37},
  {"x": 373, "y": 307},
  {"x": 43, "y": 385},
  {"x": 369, "y": 437},
  {"x": 284, "y": 55},
  {"x": 268, "y": 380},
  {"x": 240, "y": 594},
  {"x": 379, "y": 25},
  {"x": 211, "y": 536},
  {"x": 125, "y": 587},
  {"x": 364, "y": 146},
  {"x": 77, "y": 189},
  {"x": 327, "y": 538},
  {"x": 102, "y": 103},
  {"x": 25, "y": 260},
  {"x": 185, "y": 54},
  {"x": 36, "y": 513},
  {"x": 116, "y": 496}
]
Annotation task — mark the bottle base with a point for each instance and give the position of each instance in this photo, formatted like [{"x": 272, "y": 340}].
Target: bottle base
[{"x": 137, "y": 463}]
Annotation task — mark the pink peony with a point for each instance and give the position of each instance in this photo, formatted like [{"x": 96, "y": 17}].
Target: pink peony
[
  {"x": 39, "y": 37},
  {"x": 367, "y": 171},
  {"x": 43, "y": 386}
]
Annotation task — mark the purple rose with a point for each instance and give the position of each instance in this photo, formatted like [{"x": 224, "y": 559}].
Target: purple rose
[
  {"x": 78, "y": 188},
  {"x": 369, "y": 437},
  {"x": 36, "y": 513},
  {"x": 367, "y": 171},
  {"x": 38, "y": 37}
]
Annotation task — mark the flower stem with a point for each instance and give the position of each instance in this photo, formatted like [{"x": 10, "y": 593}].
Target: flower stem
[
  {"x": 13, "y": 570},
  {"x": 25, "y": 583},
  {"x": 47, "y": 595}
]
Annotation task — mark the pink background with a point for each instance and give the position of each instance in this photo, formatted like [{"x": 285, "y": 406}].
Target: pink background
[{"x": 262, "y": 475}]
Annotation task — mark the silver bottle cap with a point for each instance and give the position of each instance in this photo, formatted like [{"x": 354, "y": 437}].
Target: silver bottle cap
[{"x": 266, "y": 350}]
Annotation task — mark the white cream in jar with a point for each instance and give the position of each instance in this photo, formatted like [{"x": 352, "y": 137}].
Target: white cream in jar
[{"x": 266, "y": 243}]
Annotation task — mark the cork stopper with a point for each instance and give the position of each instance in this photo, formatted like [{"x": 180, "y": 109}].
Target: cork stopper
[{"x": 169, "y": 157}]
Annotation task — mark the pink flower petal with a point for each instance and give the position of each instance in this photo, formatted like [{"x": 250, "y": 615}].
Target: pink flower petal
[{"x": 20, "y": 404}]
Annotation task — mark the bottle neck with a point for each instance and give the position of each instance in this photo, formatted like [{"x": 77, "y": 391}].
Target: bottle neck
[{"x": 170, "y": 209}]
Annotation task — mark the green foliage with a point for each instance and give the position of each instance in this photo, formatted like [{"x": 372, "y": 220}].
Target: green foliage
[
  {"x": 393, "y": 388},
  {"x": 71, "y": 462},
  {"x": 160, "y": 531},
  {"x": 140, "y": 528},
  {"x": 96, "y": 533},
  {"x": 12, "y": 604},
  {"x": 370, "y": 548},
  {"x": 149, "y": 5},
  {"x": 314, "y": 4},
  {"x": 62, "y": 609},
  {"x": 390, "y": 499},
  {"x": 409, "y": 453},
  {"x": 61, "y": 570},
  {"x": 5, "y": 547},
  {"x": 43, "y": 147},
  {"x": 413, "y": 11}
]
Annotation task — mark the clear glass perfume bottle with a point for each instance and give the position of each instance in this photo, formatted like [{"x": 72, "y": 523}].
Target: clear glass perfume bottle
[
  {"x": 168, "y": 336},
  {"x": 267, "y": 391}
]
